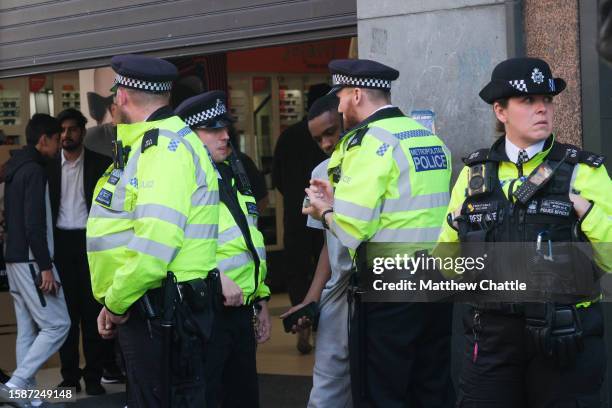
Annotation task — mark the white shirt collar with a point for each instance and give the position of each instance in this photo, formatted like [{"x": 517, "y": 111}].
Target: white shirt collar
[
  {"x": 513, "y": 150},
  {"x": 76, "y": 162},
  {"x": 381, "y": 108}
]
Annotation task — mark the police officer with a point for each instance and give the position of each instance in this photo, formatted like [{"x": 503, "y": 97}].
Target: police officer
[
  {"x": 530, "y": 188},
  {"x": 391, "y": 178},
  {"x": 244, "y": 321},
  {"x": 153, "y": 221}
]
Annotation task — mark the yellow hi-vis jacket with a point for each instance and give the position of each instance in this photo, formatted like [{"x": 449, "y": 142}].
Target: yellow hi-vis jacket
[
  {"x": 234, "y": 258},
  {"x": 391, "y": 177},
  {"x": 160, "y": 213}
]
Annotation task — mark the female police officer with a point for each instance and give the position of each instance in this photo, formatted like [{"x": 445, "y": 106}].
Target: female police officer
[{"x": 518, "y": 354}]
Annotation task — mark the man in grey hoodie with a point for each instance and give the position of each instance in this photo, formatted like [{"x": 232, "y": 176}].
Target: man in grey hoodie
[{"x": 40, "y": 308}]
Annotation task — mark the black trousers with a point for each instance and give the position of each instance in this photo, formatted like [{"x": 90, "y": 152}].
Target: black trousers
[
  {"x": 73, "y": 269},
  {"x": 141, "y": 342},
  {"x": 302, "y": 249},
  {"x": 400, "y": 355},
  {"x": 231, "y": 368},
  {"x": 508, "y": 374}
]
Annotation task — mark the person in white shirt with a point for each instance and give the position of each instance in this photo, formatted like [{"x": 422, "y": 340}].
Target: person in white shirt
[{"x": 72, "y": 178}]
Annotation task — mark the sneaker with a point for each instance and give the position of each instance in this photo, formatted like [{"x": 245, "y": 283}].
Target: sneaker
[
  {"x": 7, "y": 398},
  {"x": 70, "y": 384},
  {"x": 94, "y": 388},
  {"x": 112, "y": 378}
]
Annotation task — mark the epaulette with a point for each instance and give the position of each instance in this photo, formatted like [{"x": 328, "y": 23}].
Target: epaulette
[
  {"x": 591, "y": 159},
  {"x": 149, "y": 139},
  {"x": 478, "y": 156},
  {"x": 357, "y": 138},
  {"x": 574, "y": 155}
]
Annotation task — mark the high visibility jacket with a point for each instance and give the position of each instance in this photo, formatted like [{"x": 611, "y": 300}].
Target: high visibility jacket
[
  {"x": 589, "y": 179},
  {"x": 160, "y": 213},
  {"x": 234, "y": 258},
  {"x": 391, "y": 177}
]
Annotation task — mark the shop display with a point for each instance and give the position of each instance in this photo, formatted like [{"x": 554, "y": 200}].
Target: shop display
[{"x": 10, "y": 106}]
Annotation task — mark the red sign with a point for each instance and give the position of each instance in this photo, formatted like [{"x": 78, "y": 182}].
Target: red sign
[
  {"x": 37, "y": 82},
  {"x": 68, "y": 87},
  {"x": 311, "y": 57}
]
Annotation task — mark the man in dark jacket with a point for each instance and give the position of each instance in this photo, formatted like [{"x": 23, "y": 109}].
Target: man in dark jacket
[
  {"x": 73, "y": 175},
  {"x": 295, "y": 156},
  {"x": 40, "y": 308}
]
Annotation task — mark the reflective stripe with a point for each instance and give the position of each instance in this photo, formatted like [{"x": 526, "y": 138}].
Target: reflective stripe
[
  {"x": 110, "y": 241},
  {"x": 357, "y": 211},
  {"x": 347, "y": 240},
  {"x": 200, "y": 173},
  {"x": 251, "y": 220},
  {"x": 421, "y": 202},
  {"x": 407, "y": 235},
  {"x": 261, "y": 252},
  {"x": 161, "y": 212},
  {"x": 235, "y": 261},
  {"x": 229, "y": 234},
  {"x": 201, "y": 231},
  {"x": 153, "y": 248},
  {"x": 403, "y": 182},
  {"x": 118, "y": 201},
  {"x": 97, "y": 211},
  {"x": 413, "y": 133},
  {"x": 202, "y": 196}
]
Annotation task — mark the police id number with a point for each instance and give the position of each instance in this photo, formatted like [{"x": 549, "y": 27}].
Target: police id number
[{"x": 428, "y": 158}]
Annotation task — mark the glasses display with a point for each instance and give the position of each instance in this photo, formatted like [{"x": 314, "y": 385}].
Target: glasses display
[
  {"x": 10, "y": 108},
  {"x": 71, "y": 99}
]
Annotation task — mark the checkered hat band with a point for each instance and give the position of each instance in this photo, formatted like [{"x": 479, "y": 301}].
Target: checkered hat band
[
  {"x": 340, "y": 79},
  {"x": 144, "y": 85},
  {"x": 208, "y": 114}
]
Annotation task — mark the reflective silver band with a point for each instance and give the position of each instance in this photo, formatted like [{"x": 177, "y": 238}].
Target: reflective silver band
[
  {"x": 152, "y": 248},
  {"x": 111, "y": 241},
  {"x": 201, "y": 231}
]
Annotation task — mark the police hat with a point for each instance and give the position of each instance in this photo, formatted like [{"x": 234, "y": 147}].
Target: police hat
[
  {"x": 521, "y": 76},
  {"x": 143, "y": 73},
  {"x": 361, "y": 73},
  {"x": 206, "y": 110}
]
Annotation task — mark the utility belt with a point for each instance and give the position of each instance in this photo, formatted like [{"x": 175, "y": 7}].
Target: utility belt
[
  {"x": 553, "y": 330},
  {"x": 198, "y": 294}
]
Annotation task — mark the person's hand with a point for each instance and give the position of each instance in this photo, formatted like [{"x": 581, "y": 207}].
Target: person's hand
[
  {"x": 264, "y": 329},
  {"x": 232, "y": 294},
  {"x": 106, "y": 327},
  {"x": 581, "y": 205},
  {"x": 321, "y": 196},
  {"x": 48, "y": 284},
  {"x": 303, "y": 322}
]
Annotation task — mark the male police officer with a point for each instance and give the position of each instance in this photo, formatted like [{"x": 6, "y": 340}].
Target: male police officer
[
  {"x": 391, "y": 177},
  {"x": 155, "y": 216},
  {"x": 529, "y": 190},
  {"x": 231, "y": 375}
]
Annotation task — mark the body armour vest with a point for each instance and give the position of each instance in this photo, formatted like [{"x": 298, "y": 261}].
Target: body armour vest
[{"x": 537, "y": 241}]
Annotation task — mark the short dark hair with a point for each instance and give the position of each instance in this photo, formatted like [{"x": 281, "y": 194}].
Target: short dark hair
[
  {"x": 328, "y": 103},
  {"x": 72, "y": 114},
  {"x": 41, "y": 124}
]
